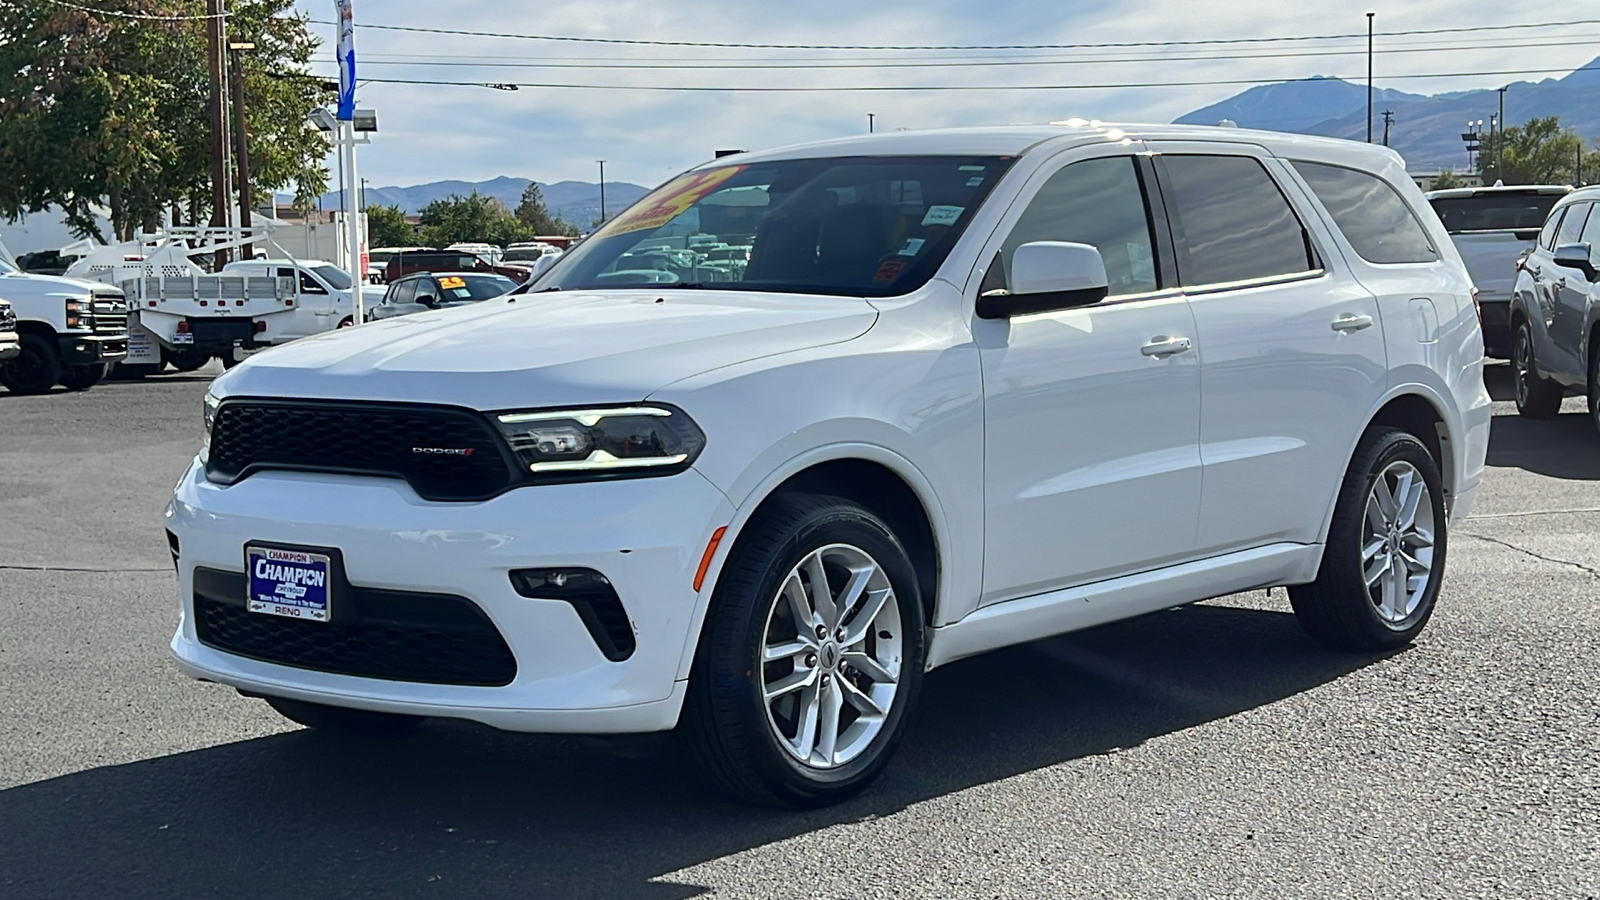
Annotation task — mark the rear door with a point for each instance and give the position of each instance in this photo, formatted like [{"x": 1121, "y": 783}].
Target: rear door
[{"x": 1292, "y": 361}]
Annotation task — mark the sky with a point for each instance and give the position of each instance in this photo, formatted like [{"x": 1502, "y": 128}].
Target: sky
[{"x": 470, "y": 132}]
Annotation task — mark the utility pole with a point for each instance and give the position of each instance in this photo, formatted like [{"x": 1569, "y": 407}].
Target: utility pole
[
  {"x": 1499, "y": 145},
  {"x": 1388, "y": 120},
  {"x": 214, "y": 113},
  {"x": 1369, "y": 76},
  {"x": 241, "y": 150},
  {"x": 602, "y": 190}
]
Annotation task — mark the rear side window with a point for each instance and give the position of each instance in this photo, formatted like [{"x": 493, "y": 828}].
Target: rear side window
[
  {"x": 1236, "y": 222},
  {"x": 1097, "y": 202},
  {"x": 1547, "y": 237},
  {"x": 1370, "y": 214},
  {"x": 405, "y": 291}
]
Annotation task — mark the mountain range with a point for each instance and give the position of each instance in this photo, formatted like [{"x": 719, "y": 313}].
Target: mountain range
[{"x": 1426, "y": 130}]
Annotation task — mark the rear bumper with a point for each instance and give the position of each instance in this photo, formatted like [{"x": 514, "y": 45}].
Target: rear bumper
[{"x": 88, "y": 349}]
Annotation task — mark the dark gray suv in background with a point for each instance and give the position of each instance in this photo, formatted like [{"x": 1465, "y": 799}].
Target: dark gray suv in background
[{"x": 1555, "y": 310}]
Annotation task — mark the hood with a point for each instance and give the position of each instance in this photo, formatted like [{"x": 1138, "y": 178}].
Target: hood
[
  {"x": 552, "y": 349},
  {"x": 52, "y": 284}
]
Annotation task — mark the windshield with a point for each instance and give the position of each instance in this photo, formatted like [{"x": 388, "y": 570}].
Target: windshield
[
  {"x": 1499, "y": 211},
  {"x": 379, "y": 256},
  {"x": 860, "y": 226},
  {"x": 336, "y": 277},
  {"x": 466, "y": 288}
]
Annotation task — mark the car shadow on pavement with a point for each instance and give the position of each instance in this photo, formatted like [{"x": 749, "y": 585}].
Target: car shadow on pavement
[
  {"x": 1563, "y": 447},
  {"x": 468, "y": 811}
]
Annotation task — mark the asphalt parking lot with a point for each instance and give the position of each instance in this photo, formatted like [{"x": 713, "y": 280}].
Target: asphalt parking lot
[{"x": 1209, "y": 751}]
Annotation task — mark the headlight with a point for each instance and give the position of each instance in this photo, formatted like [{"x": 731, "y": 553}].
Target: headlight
[
  {"x": 602, "y": 442},
  {"x": 208, "y": 417},
  {"x": 75, "y": 310}
]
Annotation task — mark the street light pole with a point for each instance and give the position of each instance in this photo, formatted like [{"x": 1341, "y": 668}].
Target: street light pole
[
  {"x": 602, "y": 190},
  {"x": 1369, "y": 76},
  {"x": 1499, "y": 145}
]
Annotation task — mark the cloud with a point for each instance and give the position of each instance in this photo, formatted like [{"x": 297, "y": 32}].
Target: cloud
[{"x": 552, "y": 134}]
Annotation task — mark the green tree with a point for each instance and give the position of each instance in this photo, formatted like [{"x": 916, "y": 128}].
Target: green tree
[
  {"x": 387, "y": 227},
  {"x": 105, "y": 109},
  {"x": 533, "y": 213},
  {"x": 1446, "y": 180},
  {"x": 1540, "y": 152},
  {"x": 475, "y": 218}
]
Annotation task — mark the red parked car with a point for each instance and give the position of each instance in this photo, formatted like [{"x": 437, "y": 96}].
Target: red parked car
[{"x": 406, "y": 262}]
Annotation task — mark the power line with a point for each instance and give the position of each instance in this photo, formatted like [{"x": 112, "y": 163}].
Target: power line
[
  {"x": 144, "y": 17},
  {"x": 1113, "y": 45},
  {"x": 951, "y": 87},
  {"x": 525, "y": 63}
]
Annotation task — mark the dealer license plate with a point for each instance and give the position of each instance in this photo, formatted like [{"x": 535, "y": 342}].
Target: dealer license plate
[{"x": 290, "y": 583}]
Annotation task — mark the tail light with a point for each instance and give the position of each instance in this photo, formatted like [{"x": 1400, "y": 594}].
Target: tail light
[
  {"x": 261, "y": 325},
  {"x": 183, "y": 327}
]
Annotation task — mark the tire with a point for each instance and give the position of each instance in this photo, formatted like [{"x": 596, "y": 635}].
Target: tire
[
  {"x": 81, "y": 378},
  {"x": 36, "y": 369},
  {"x": 230, "y": 359},
  {"x": 184, "y": 360},
  {"x": 754, "y": 747},
  {"x": 346, "y": 322},
  {"x": 1594, "y": 385},
  {"x": 342, "y": 720},
  {"x": 1339, "y": 608},
  {"x": 1537, "y": 396}
]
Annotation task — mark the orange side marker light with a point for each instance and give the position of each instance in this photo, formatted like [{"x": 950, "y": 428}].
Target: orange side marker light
[{"x": 705, "y": 559}]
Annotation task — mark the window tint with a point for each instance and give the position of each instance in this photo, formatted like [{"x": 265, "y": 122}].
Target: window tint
[
  {"x": 1376, "y": 222},
  {"x": 1237, "y": 223},
  {"x": 309, "y": 285},
  {"x": 405, "y": 291},
  {"x": 1572, "y": 225},
  {"x": 427, "y": 291},
  {"x": 1097, "y": 202},
  {"x": 1591, "y": 235},
  {"x": 1547, "y": 237}
]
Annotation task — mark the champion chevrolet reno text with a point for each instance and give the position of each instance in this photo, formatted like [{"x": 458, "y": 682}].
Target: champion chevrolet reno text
[{"x": 964, "y": 389}]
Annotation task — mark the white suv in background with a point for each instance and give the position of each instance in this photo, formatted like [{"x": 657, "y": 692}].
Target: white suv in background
[{"x": 972, "y": 388}]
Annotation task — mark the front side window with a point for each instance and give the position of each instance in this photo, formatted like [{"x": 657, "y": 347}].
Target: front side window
[
  {"x": 467, "y": 288},
  {"x": 1099, "y": 202},
  {"x": 1377, "y": 223},
  {"x": 1236, "y": 222},
  {"x": 1572, "y": 225},
  {"x": 856, "y": 226},
  {"x": 404, "y": 291}
]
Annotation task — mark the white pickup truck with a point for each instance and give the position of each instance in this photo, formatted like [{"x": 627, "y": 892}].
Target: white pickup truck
[
  {"x": 184, "y": 317},
  {"x": 69, "y": 331}
]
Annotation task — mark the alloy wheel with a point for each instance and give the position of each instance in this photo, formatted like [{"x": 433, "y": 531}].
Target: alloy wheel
[
  {"x": 1398, "y": 542},
  {"x": 1520, "y": 352},
  {"x": 831, "y": 656}
]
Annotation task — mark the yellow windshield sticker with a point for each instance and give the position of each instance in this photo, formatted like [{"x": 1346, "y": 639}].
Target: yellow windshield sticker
[
  {"x": 669, "y": 201},
  {"x": 452, "y": 281}
]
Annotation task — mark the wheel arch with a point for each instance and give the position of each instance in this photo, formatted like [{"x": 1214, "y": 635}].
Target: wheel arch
[{"x": 877, "y": 478}]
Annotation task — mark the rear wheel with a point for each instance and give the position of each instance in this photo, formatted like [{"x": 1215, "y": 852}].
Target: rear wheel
[
  {"x": 1385, "y": 555},
  {"x": 81, "y": 378},
  {"x": 1537, "y": 396},
  {"x": 1594, "y": 384},
  {"x": 810, "y": 658},
  {"x": 36, "y": 369},
  {"x": 184, "y": 360},
  {"x": 342, "y": 720}
]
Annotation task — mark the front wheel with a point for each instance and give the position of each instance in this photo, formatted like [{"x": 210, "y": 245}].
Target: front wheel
[
  {"x": 1384, "y": 560},
  {"x": 811, "y": 655},
  {"x": 81, "y": 378},
  {"x": 36, "y": 369},
  {"x": 1537, "y": 397},
  {"x": 342, "y": 720}
]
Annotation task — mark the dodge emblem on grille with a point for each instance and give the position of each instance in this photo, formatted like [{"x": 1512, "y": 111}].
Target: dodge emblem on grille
[{"x": 444, "y": 451}]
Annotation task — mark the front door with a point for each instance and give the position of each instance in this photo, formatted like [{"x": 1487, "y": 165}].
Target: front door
[
  {"x": 1092, "y": 415},
  {"x": 1292, "y": 352},
  {"x": 1569, "y": 288}
]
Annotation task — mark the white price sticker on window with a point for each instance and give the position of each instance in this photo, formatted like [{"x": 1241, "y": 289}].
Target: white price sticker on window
[{"x": 943, "y": 215}]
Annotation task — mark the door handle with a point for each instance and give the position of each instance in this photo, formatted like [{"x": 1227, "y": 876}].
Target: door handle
[
  {"x": 1348, "y": 322},
  {"x": 1162, "y": 347}
]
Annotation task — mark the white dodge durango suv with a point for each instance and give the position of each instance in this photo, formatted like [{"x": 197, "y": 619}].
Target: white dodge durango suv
[{"x": 970, "y": 388}]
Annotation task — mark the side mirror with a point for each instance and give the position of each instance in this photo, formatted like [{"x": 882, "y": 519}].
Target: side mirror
[
  {"x": 1047, "y": 276},
  {"x": 1576, "y": 256}
]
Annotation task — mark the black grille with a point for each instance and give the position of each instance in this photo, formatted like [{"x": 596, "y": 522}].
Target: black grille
[
  {"x": 8, "y": 319},
  {"x": 393, "y": 635},
  {"x": 395, "y": 440}
]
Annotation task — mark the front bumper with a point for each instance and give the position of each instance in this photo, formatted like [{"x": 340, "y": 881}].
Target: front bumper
[
  {"x": 88, "y": 349},
  {"x": 10, "y": 345},
  {"x": 646, "y": 535}
]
